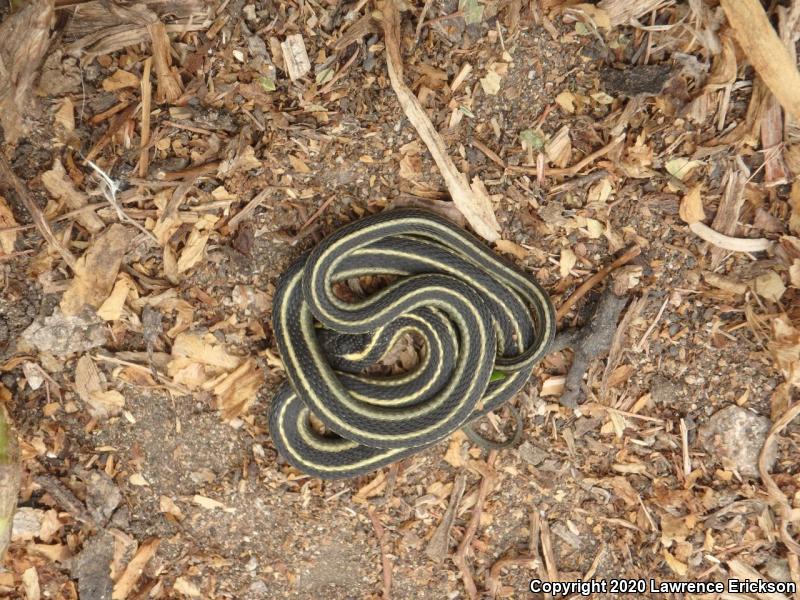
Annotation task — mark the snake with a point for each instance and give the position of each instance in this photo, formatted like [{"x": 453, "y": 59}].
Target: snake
[{"x": 484, "y": 325}]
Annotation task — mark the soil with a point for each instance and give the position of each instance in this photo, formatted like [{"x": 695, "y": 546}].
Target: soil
[{"x": 612, "y": 490}]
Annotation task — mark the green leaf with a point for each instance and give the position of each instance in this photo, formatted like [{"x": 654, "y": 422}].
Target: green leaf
[
  {"x": 497, "y": 376},
  {"x": 466, "y": 111},
  {"x": 532, "y": 139},
  {"x": 268, "y": 83},
  {"x": 473, "y": 11},
  {"x": 324, "y": 76}
]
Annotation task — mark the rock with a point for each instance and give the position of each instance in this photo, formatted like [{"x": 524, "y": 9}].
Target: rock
[
  {"x": 92, "y": 567},
  {"x": 531, "y": 454},
  {"x": 63, "y": 335},
  {"x": 734, "y": 436},
  {"x": 27, "y": 523}
]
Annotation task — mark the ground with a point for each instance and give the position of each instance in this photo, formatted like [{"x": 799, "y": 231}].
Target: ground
[{"x": 149, "y": 421}]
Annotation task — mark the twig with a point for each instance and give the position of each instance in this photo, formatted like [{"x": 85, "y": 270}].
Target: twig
[
  {"x": 38, "y": 218},
  {"x": 385, "y": 562},
  {"x": 589, "y": 342},
  {"x": 318, "y": 212},
  {"x": 254, "y": 203},
  {"x": 340, "y": 73},
  {"x": 777, "y": 498},
  {"x": 533, "y": 561},
  {"x": 438, "y": 544},
  {"x": 576, "y": 168},
  {"x": 453, "y": 15},
  {"x": 110, "y": 189},
  {"x": 190, "y": 173},
  {"x": 460, "y": 557},
  {"x": 147, "y": 95},
  {"x": 687, "y": 461},
  {"x": 535, "y": 538},
  {"x": 647, "y": 333},
  {"x": 421, "y": 20},
  {"x": 547, "y": 551},
  {"x": 64, "y": 498},
  {"x": 587, "y": 285}
]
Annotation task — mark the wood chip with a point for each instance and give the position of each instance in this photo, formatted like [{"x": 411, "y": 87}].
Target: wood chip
[
  {"x": 295, "y": 56},
  {"x": 766, "y": 52},
  {"x": 130, "y": 577}
]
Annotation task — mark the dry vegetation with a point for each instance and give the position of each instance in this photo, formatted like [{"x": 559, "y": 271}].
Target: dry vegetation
[{"x": 164, "y": 161}]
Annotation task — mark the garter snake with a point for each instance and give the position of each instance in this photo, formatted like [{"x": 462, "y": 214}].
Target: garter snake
[{"x": 485, "y": 324}]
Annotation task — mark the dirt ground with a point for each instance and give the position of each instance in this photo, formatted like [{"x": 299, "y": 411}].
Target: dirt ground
[{"x": 147, "y": 463}]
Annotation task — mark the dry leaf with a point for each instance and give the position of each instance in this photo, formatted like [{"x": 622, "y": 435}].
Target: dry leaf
[
  {"x": 794, "y": 273},
  {"x": 138, "y": 479},
  {"x": 120, "y": 79},
  {"x": 194, "y": 250},
  {"x": 167, "y": 505},
  {"x": 96, "y": 271},
  {"x": 298, "y": 164},
  {"x": 60, "y": 186},
  {"x": 566, "y": 100},
  {"x": 567, "y": 261},
  {"x": 30, "y": 582},
  {"x": 769, "y": 286},
  {"x": 599, "y": 16},
  {"x": 785, "y": 349},
  {"x": 510, "y": 247},
  {"x": 207, "y": 503},
  {"x": 244, "y": 160},
  {"x": 238, "y": 390},
  {"x": 411, "y": 167},
  {"x": 185, "y": 587},
  {"x": 491, "y": 83},
  {"x": 111, "y": 309},
  {"x": 8, "y": 238},
  {"x": 678, "y": 567},
  {"x": 90, "y": 386},
  {"x": 211, "y": 353},
  {"x": 691, "y": 209},
  {"x": 682, "y": 167},
  {"x": 455, "y": 454}
]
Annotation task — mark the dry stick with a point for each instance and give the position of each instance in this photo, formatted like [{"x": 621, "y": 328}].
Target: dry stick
[
  {"x": 460, "y": 557},
  {"x": 547, "y": 551},
  {"x": 190, "y": 173},
  {"x": 340, "y": 73},
  {"x": 385, "y": 562},
  {"x": 147, "y": 95},
  {"x": 766, "y": 52},
  {"x": 475, "y": 206},
  {"x": 577, "y": 167},
  {"x": 587, "y": 285},
  {"x": 318, "y": 212},
  {"x": 533, "y": 561},
  {"x": 7, "y": 174},
  {"x": 438, "y": 544},
  {"x": 777, "y": 498},
  {"x": 421, "y": 20},
  {"x": 249, "y": 207}
]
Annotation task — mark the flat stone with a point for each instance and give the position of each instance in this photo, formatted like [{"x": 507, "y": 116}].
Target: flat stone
[{"x": 734, "y": 437}]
